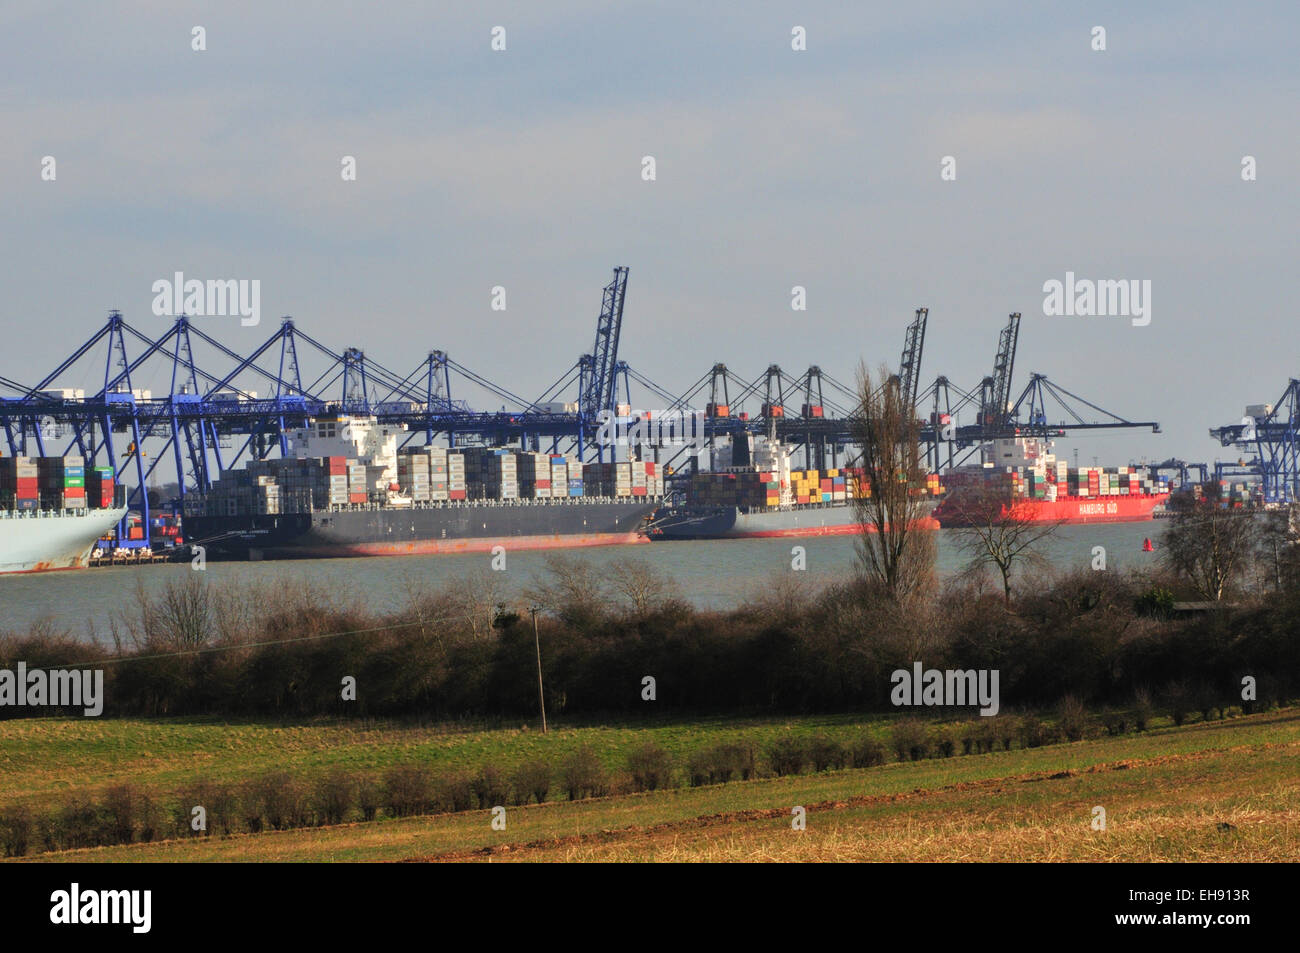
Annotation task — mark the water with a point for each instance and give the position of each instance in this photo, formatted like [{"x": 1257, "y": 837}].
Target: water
[{"x": 710, "y": 574}]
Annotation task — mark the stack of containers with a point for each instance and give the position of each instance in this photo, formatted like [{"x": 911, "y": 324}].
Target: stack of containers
[
  {"x": 437, "y": 457},
  {"x": 62, "y": 482},
  {"x": 336, "y": 483},
  {"x": 714, "y": 488},
  {"x": 357, "y": 489},
  {"x": 535, "y": 476},
  {"x": 806, "y": 484},
  {"x": 266, "y": 496},
  {"x": 638, "y": 476},
  {"x": 560, "y": 486},
  {"x": 413, "y": 473},
  {"x": 19, "y": 484},
  {"x": 456, "y": 489},
  {"x": 608, "y": 479},
  {"x": 761, "y": 489},
  {"x": 99, "y": 488},
  {"x": 501, "y": 475}
]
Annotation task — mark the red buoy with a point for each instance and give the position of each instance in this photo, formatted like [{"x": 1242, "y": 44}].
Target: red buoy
[{"x": 1146, "y": 546}]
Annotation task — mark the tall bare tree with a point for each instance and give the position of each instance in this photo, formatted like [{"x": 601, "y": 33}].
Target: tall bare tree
[
  {"x": 994, "y": 531},
  {"x": 894, "y": 552},
  {"x": 1208, "y": 544}
]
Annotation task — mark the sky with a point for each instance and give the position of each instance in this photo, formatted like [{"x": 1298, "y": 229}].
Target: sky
[{"x": 774, "y": 168}]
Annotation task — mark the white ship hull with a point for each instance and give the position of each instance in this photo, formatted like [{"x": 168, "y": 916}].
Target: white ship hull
[{"x": 44, "y": 541}]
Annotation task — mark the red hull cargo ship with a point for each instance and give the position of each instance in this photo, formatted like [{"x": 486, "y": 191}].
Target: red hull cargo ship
[{"x": 1042, "y": 489}]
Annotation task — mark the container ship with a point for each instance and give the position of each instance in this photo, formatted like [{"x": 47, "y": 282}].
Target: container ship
[
  {"x": 1040, "y": 488},
  {"x": 348, "y": 490},
  {"x": 52, "y": 512},
  {"x": 765, "y": 497}
]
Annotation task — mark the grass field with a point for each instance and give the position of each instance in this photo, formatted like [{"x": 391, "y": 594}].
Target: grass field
[{"x": 1221, "y": 791}]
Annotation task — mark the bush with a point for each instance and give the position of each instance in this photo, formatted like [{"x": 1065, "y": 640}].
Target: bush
[
  {"x": 1072, "y": 718},
  {"x": 787, "y": 755},
  {"x": 1001, "y": 729},
  {"x": 221, "y": 808},
  {"x": 490, "y": 786},
  {"x": 1177, "y": 699},
  {"x": 1033, "y": 733},
  {"x": 532, "y": 779},
  {"x": 1205, "y": 699},
  {"x": 867, "y": 752},
  {"x": 1143, "y": 709},
  {"x": 733, "y": 760},
  {"x": 699, "y": 768},
  {"x": 119, "y": 814},
  {"x": 1116, "y": 724},
  {"x": 942, "y": 742},
  {"x": 16, "y": 830},
  {"x": 335, "y": 795},
  {"x": 826, "y": 753},
  {"x": 455, "y": 792},
  {"x": 81, "y": 824},
  {"x": 370, "y": 797},
  {"x": 584, "y": 776},
  {"x": 650, "y": 767},
  {"x": 408, "y": 789},
  {"x": 284, "y": 800},
  {"x": 909, "y": 740},
  {"x": 1157, "y": 602}
]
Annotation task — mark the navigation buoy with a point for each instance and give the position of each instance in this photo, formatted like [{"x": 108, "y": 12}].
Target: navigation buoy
[{"x": 1146, "y": 546}]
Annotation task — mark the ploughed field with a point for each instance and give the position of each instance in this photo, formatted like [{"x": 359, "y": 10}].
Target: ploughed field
[{"x": 1214, "y": 790}]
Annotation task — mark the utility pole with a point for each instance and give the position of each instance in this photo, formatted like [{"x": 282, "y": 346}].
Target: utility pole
[{"x": 541, "y": 697}]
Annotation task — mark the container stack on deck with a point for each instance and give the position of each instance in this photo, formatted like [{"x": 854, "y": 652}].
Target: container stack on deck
[
  {"x": 54, "y": 483},
  {"x": 1057, "y": 480},
  {"x": 62, "y": 482},
  {"x": 19, "y": 484},
  {"x": 624, "y": 479},
  {"x": 424, "y": 475}
]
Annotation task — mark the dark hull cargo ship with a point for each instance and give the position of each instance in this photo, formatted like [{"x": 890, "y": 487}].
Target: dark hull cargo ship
[
  {"x": 443, "y": 528},
  {"x": 349, "y": 490},
  {"x": 758, "y": 494}
]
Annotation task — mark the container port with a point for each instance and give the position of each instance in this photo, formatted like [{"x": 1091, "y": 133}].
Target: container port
[{"x": 388, "y": 442}]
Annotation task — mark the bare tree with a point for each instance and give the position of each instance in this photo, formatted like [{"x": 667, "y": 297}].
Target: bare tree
[
  {"x": 573, "y": 589},
  {"x": 472, "y": 600},
  {"x": 181, "y": 618},
  {"x": 995, "y": 530},
  {"x": 894, "y": 552},
  {"x": 1208, "y": 544},
  {"x": 643, "y": 586}
]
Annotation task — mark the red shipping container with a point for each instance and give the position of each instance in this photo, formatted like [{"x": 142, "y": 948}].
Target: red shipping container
[
  {"x": 639, "y": 491},
  {"x": 826, "y": 486},
  {"x": 650, "y": 468},
  {"x": 456, "y": 494},
  {"x": 74, "y": 492},
  {"x": 542, "y": 484},
  {"x": 356, "y": 497}
]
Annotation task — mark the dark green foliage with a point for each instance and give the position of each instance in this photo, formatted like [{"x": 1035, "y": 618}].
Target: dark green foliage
[
  {"x": 650, "y": 767},
  {"x": 787, "y": 755},
  {"x": 532, "y": 779}
]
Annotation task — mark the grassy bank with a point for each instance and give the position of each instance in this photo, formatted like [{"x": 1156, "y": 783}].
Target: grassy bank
[{"x": 1222, "y": 790}]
